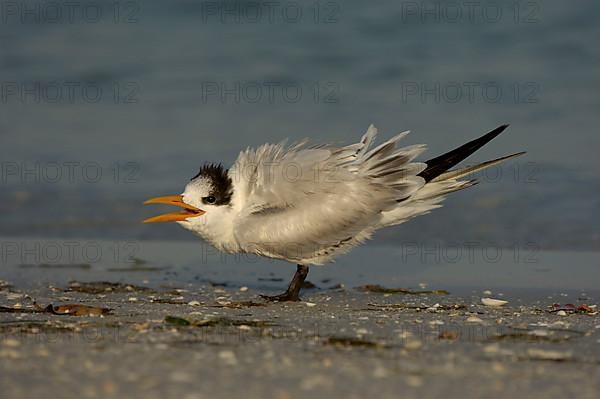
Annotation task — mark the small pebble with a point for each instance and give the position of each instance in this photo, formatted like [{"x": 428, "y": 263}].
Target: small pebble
[
  {"x": 228, "y": 357},
  {"x": 315, "y": 382},
  {"x": 10, "y": 354},
  {"x": 11, "y": 343},
  {"x": 474, "y": 319},
  {"x": 243, "y": 289},
  {"x": 414, "y": 381},
  {"x": 433, "y": 308},
  {"x": 492, "y": 348},
  {"x": 496, "y": 350},
  {"x": 380, "y": 372},
  {"x": 310, "y": 304},
  {"x": 539, "y": 333},
  {"x": 561, "y": 313},
  {"x": 42, "y": 352},
  {"x": 194, "y": 303},
  {"x": 498, "y": 367},
  {"x": 413, "y": 345},
  {"x": 178, "y": 376},
  {"x": 543, "y": 354}
]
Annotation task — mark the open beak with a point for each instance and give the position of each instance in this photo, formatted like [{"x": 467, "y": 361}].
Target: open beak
[{"x": 177, "y": 200}]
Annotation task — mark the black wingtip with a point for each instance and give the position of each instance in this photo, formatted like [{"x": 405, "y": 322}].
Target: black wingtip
[
  {"x": 438, "y": 165},
  {"x": 500, "y": 129},
  {"x": 483, "y": 140}
]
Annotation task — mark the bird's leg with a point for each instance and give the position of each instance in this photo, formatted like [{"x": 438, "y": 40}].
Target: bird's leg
[{"x": 293, "y": 291}]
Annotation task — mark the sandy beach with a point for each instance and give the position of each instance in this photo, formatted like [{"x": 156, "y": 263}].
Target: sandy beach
[{"x": 176, "y": 328}]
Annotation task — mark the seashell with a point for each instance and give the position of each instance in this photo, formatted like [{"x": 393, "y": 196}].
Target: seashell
[
  {"x": 561, "y": 313},
  {"x": 493, "y": 302}
]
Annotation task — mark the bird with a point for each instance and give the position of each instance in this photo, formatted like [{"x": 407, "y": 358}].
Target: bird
[{"x": 310, "y": 203}]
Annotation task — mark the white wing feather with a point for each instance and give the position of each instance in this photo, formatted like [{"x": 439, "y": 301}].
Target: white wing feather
[{"x": 306, "y": 203}]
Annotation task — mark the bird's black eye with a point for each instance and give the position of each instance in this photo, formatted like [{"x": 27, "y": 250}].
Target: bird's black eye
[{"x": 209, "y": 200}]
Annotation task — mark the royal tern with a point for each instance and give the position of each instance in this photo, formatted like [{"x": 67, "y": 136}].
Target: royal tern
[{"x": 308, "y": 203}]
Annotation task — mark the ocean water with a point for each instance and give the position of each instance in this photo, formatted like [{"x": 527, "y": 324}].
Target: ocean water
[{"x": 101, "y": 111}]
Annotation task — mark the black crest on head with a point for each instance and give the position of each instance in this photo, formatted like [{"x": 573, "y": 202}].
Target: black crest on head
[{"x": 221, "y": 184}]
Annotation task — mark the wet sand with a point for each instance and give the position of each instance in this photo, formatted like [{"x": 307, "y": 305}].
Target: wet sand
[{"x": 179, "y": 330}]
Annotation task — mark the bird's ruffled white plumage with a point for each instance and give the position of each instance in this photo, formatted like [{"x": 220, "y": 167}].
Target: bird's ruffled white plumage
[{"x": 308, "y": 204}]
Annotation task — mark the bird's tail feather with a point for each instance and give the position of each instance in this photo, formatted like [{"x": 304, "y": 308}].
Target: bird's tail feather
[
  {"x": 458, "y": 173},
  {"x": 440, "y": 181}
]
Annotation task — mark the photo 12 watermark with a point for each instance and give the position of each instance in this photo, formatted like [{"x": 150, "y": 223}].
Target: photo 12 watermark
[
  {"x": 471, "y": 252},
  {"x": 470, "y": 92},
  {"x": 470, "y": 12},
  {"x": 69, "y": 12},
  {"x": 270, "y": 92},
  {"x": 71, "y": 172},
  {"x": 69, "y": 92},
  {"x": 68, "y": 252},
  {"x": 270, "y": 12}
]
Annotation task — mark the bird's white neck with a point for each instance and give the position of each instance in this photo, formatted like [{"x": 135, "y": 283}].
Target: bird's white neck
[{"x": 216, "y": 227}]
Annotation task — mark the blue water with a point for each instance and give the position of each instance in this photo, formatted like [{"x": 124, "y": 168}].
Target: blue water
[{"x": 388, "y": 63}]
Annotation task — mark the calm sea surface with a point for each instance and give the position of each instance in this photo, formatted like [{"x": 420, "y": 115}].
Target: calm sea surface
[{"x": 100, "y": 111}]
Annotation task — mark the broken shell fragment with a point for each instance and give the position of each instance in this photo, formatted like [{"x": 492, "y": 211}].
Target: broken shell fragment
[{"x": 493, "y": 302}]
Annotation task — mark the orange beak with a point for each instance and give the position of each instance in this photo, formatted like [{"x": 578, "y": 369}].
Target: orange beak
[{"x": 177, "y": 200}]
